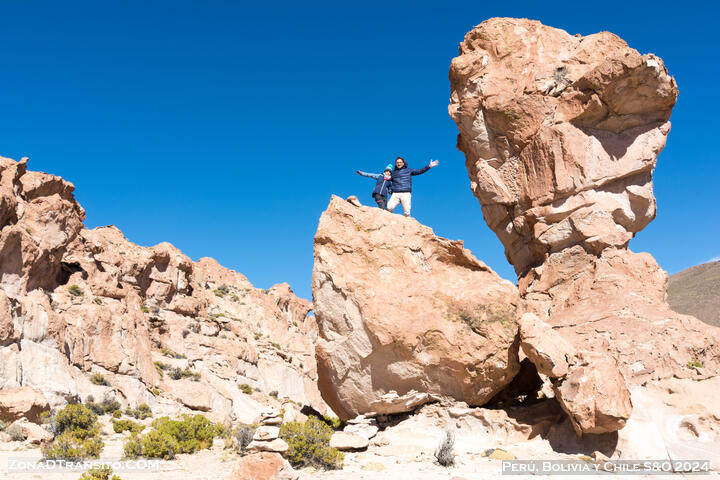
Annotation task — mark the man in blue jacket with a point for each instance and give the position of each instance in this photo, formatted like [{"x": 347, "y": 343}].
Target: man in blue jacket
[
  {"x": 383, "y": 186},
  {"x": 402, "y": 183}
]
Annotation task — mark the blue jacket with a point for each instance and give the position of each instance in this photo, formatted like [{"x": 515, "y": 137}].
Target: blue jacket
[
  {"x": 402, "y": 178},
  {"x": 382, "y": 187}
]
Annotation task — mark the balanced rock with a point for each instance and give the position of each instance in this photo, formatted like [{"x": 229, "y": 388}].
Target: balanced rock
[
  {"x": 276, "y": 445},
  {"x": 400, "y": 309},
  {"x": 560, "y": 133}
]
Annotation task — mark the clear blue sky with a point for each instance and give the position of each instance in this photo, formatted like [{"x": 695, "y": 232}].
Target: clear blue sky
[{"x": 224, "y": 127}]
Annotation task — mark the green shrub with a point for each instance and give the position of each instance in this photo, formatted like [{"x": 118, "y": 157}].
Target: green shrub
[
  {"x": 16, "y": 433},
  {"x": 120, "y": 426},
  {"x": 77, "y": 434},
  {"x": 176, "y": 374},
  {"x": 334, "y": 422},
  {"x": 141, "y": 412},
  {"x": 309, "y": 444},
  {"x": 46, "y": 416},
  {"x": 98, "y": 379},
  {"x": 276, "y": 346},
  {"x": 170, "y": 437},
  {"x": 76, "y": 419},
  {"x": 155, "y": 391},
  {"x": 132, "y": 448},
  {"x": 144, "y": 309},
  {"x": 108, "y": 405},
  {"x": 97, "y": 301},
  {"x": 695, "y": 364},
  {"x": 169, "y": 353},
  {"x": 75, "y": 291},
  {"x": 245, "y": 388},
  {"x": 99, "y": 473},
  {"x": 116, "y": 414},
  {"x": 70, "y": 447}
]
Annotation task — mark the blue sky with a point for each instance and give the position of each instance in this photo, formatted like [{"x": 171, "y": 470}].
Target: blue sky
[{"x": 224, "y": 127}]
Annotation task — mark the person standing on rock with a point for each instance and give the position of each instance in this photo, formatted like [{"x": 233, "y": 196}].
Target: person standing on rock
[
  {"x": 402, "y": 183},
  {"x": 383, "y": 187}
]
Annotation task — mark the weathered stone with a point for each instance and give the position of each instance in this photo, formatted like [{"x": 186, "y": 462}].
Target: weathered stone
[
  {"x": 348, "y": 441},
  {"x": 401, "y": 309}
]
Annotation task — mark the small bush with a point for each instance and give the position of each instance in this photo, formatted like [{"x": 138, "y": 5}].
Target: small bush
[
  {"x": 75, "y": 291},
  {"x": 185, "y": 333},
  {"x": 169, "y": 353},
  {"x": 276, "y": 346},
  {"x": 144, "y": 309},
  {"x": 46, "y": 417},
  {"x": 170, "y": 437},
  {"x": 195, "y": 327},
  {"x": 3, "y": 426},
  {"x": 117, "y": 414},
  {"x": 444, "y": 452},
  {"x": 108, "y": 405},
  {"x": 99, "y": 473},
  {"x": 274, "y": 393},
  {"x": 334, "y": 422},
  {"x": 98, "y": 379},
  {"x": 695, "y": 364},
  {"x": 245, "y": 388},
  {"x": 97, "y": 301},
  {"x": 16, "y": 433},
  {"x": 176, "y": 374},
  {"x": 155, "y": 391},
  {"x": 243, "y": 436},
  {"x": 141, "y": 412},
  {"x": 309, "y": 444},
  {"x": 120, "y": 426},
  {"x": 70, "y": 447}
]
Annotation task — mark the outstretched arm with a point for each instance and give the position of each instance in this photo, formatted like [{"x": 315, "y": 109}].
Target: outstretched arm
[
  {"x": 369, "y": 175},
  {"x": 420, "y": 171}
]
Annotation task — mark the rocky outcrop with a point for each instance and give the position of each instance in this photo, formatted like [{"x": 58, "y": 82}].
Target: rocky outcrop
[
  {"x": 151, "y": 325},
  {"x": 24, "y": 402},
  {"x": 401, "y": 310},
  {"x": 560, "y": 134}
]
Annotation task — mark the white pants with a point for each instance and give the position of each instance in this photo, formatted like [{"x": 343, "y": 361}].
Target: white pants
[{"x": 400, "y": 197}]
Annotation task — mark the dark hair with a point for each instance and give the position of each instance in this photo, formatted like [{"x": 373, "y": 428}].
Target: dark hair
[{"x": 400, "y": 158}]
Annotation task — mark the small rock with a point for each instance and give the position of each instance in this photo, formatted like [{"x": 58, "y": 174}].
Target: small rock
[
  {"x": 266, "y": 433},
  {"x": 278, "y": 445},
  {"x": 348, "y": 441}
]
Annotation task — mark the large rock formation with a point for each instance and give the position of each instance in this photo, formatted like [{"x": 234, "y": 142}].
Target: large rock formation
[
  {"x": 561, "y": 134},
  {"x": 400, "y": 309},
  {"x": 157, "y": 327}
]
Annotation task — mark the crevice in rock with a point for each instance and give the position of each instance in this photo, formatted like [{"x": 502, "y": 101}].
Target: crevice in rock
[
  {"x": 524, "y": 389},
  {"x": 66, "y": 270}
]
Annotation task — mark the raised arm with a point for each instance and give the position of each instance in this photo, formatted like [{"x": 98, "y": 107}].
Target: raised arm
[
  {"x": 420, "y": 171},
  {"x": 369, "y": 175}
]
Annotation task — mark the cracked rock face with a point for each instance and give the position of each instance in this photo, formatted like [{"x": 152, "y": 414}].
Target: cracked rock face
[
  {"x": 400, "y": 309},
  {"x": 76, "y": 302},
  {"x": 560, "y": 133}
]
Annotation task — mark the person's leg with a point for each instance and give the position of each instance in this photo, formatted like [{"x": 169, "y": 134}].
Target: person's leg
[
  {"x": 406, "y": 203},
  {"x": 379, "y": 199},
  {"x": 393, "y": 202},
  {"x": 382, "y": 203}
]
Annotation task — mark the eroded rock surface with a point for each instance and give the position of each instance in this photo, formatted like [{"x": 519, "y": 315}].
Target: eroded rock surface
[
  {"x": 560, "y": 133},
  {"x": 400, "y": 309},
  {"x": 151, "y": 325}
]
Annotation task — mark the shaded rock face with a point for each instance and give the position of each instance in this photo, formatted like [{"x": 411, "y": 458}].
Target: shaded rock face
[
  {"x": 405, "y": 315},
  {"x": 76, "y": 302},
  {"x": 560, "y": 133}
]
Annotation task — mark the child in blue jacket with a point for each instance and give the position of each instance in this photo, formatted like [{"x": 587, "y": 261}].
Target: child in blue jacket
[{"x": 383, "y": 186}]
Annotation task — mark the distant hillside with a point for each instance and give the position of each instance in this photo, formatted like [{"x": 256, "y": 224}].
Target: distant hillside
[{"x": 696, "y": 291}]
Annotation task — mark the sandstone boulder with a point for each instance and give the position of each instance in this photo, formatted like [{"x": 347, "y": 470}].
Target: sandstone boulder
[
  {"x": 560, "y": 134},
  {"x": 23, "y": 402},
  {"x": 399, "y": 309},
  {"x": 262, "y": 466}
]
